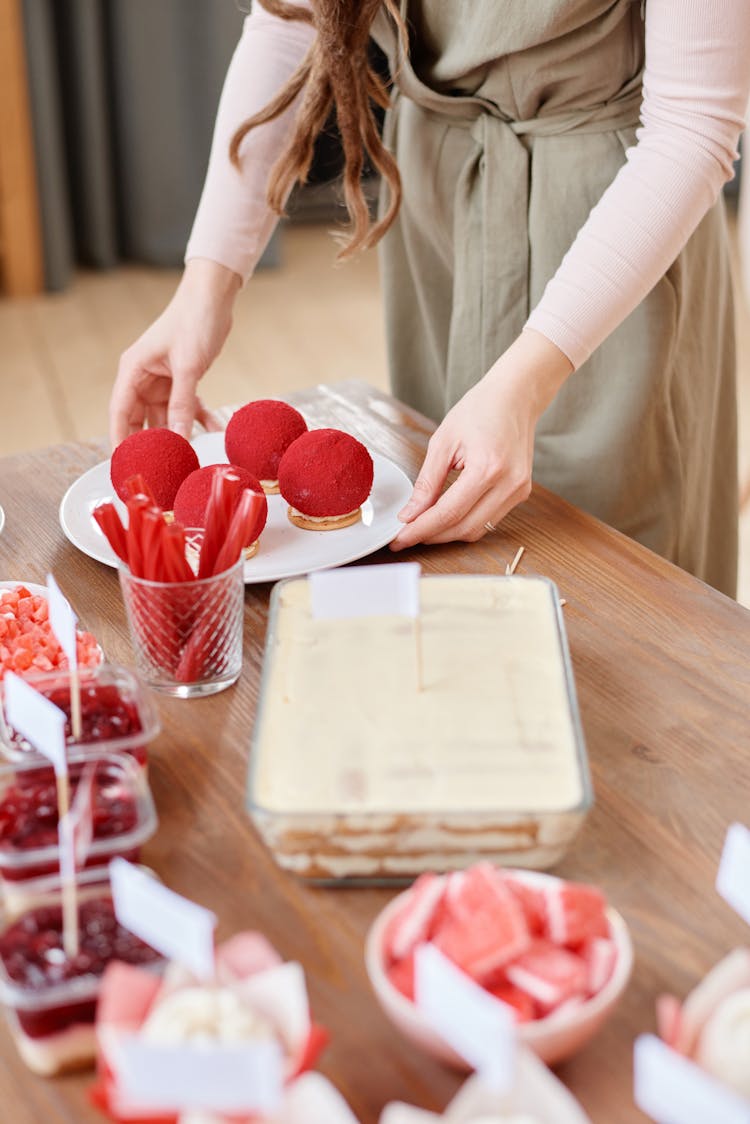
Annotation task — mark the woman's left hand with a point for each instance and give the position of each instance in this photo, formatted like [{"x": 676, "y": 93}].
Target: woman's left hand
[{"x": 489, "y": 437}]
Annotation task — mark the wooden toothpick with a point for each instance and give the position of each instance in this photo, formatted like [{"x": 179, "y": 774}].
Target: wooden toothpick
[
  {"x": 511, "y": 569},
  {"x": 418, "y": 651}
]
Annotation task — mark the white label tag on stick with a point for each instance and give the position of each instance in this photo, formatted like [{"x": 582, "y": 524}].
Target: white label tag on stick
[
  {"x": 673, "y": 1090},
  {"x": 63, "y": 621},
  {"x": 733, "y": 878},
  {"x": 177, "y": 928},
  {"x": 224, "y": 1078},
  {"x": 476, "y": 1025},
  {"x": 37, "y": 719},
  {"x": 366, "y": 591}
]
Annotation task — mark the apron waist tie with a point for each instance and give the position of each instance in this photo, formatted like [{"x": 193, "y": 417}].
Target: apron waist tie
[{"x": 490, "y": 213}]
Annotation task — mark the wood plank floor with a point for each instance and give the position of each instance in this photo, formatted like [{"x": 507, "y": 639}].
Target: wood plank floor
[{"x": 307, "y": 322}]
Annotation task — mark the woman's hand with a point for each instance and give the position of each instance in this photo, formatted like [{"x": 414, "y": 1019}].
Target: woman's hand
[
  {"x": 489, "y": 437},
  {"x": 158, "y": 375}
]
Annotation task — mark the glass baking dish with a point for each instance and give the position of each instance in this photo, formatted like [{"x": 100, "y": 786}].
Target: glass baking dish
[{"x": 359, "y": 774}]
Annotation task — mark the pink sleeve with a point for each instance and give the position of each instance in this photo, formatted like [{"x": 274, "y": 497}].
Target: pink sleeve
[
  {"x": 234, "y": 223},
  {"x": 695, "y": 92}
]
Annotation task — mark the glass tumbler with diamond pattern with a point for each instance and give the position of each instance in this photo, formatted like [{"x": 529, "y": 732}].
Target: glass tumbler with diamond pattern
[{"x": 187, "y": 636}]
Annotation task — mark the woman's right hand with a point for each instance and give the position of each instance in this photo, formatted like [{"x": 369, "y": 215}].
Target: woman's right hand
[{"x": 158, "y": 375}]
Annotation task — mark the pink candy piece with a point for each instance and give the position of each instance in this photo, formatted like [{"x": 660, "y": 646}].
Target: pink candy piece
[
  {"x": 246, "y": 953},
  {"x": 532, "y": 902},
  {"x": 548, "y": 974},
  {"x": 574, "y": 913},
  {"x": 125, "y": 996},
  {"x": 599, "y": 956},
  {"x": 411, "y": 926},
  {"x": 669, "y": 1020},
  {"x": 485, "y": 926}
]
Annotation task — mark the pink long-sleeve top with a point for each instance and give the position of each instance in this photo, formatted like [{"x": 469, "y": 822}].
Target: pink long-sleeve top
[{"x": 695, "y": 90}]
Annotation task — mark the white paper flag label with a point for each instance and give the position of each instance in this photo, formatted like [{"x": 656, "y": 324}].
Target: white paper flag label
[
  {"x": 673, "y": 1090},
  {"x": 733, "y": 879},
  {"x": 37, "y": 719},
  {"x": 177, "y": 928},
  {"x": 366, "y": 591},
  {"x": 223, "y": 1078},
  {"x": 476, "y": 1025},
  {"x": 63, "y": 621}
]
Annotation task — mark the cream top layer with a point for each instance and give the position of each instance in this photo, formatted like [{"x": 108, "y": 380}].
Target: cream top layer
[{"x": 343, "y": 727}]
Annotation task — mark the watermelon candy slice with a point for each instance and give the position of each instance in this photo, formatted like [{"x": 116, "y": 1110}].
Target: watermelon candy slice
[
  {"x": 550, "y": 975},
  {"x": 401, "y": 975},
  {"x": 574, "y": 913},
  {"x": 411, "y": 925},
  {"x": 524, "y": 1007},
  {"x": 532, "y": 902},
  {"x": 600, "y": 956},
  {"x": 485, "y": 926}
]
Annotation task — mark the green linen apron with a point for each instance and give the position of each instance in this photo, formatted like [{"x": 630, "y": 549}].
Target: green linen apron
[{"x": 510, "y": 119}]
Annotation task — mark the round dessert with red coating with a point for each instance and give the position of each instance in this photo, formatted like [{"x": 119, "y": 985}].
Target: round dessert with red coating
[
  {"x": 325, "y": 476},
  {"x": 259, "y": 434},
  {"x": 162, "y": 457},
  {"x": 193, "y": 495}
]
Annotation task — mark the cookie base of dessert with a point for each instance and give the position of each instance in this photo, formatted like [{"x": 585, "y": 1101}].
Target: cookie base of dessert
[
  {"x": 67, "y": 1051},
  {"x": 250, "y": 551},
  {"x": 270, "y": 487},
  {"x": 332, "y": 524}
]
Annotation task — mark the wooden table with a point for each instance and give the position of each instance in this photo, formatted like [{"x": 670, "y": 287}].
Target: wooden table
[{"x": 662, "y": 665}]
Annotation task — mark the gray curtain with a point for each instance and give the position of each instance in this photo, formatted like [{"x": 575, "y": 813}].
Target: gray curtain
[{"x": 123, "y": 95}]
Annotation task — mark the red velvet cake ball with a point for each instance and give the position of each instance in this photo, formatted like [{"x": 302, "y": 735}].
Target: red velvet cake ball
[
  {"x": 259, "y": 434},
  {"x": 162, "y": 457},
  {"x": 326, "y": 475},
  {"x": 192, "y": 498}
]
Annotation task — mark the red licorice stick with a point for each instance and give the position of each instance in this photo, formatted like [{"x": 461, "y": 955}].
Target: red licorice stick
[
  {"x": 240, "y": 534},
  {"x": 224, "y": 488},
  {"x": 137, "y": 485},
  {"x": 152, "y": 525},
  {"x": 112, "y": 528},
  {"x": 176, "y": 564},
  {"x": 136, "y": 506}
]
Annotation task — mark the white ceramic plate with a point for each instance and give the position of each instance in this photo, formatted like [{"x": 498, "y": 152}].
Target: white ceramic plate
[{"x": 285, "y": 550}]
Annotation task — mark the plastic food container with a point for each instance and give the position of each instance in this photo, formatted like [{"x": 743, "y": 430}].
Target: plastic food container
[
  {"x": 50, "y": 1010},
  {"x": 117, "y": 713},
  {"x": 124, "y": 817},
  {"x": 359, "y": 772}
]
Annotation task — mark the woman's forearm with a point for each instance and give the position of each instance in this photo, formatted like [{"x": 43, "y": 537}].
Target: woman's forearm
[{"x": 696, "y": 87}]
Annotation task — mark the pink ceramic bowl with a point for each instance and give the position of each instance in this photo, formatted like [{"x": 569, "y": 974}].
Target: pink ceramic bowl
[{"x": 554, "y": 1038}]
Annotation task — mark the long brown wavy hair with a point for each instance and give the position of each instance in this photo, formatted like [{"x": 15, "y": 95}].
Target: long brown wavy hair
[{"x": 336, "y": 72}]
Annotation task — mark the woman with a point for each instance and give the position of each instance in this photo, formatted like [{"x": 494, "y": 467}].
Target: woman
[{"x": 556, "y": 283}]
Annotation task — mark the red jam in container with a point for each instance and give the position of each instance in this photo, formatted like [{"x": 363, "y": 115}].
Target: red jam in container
[
  {"x": 117, "y": 715},
  {"x": 50, "y": 1000},
  {"x": 123, "y": 816}
]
